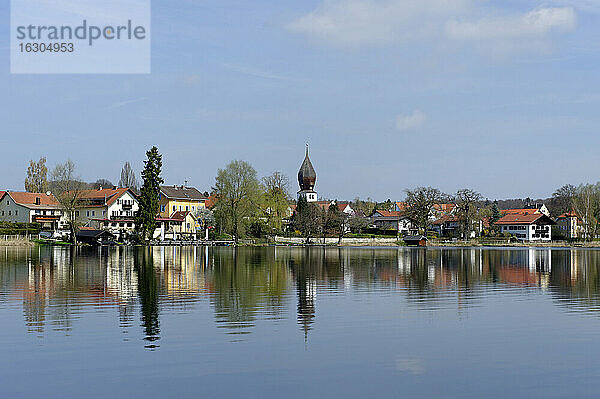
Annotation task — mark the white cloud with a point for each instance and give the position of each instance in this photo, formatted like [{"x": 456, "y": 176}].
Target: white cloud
[
  {"x": 359, "y": 23},
  {"x": 372, "y": 22},
  {"x": 536, "y": 23},
  {"x": 410, "y": 122}
]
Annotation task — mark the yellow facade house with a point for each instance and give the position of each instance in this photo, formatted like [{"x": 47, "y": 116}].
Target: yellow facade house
[{"x": 173, "y": 199}]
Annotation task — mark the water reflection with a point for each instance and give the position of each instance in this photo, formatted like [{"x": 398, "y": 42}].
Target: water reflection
[{"x": 56, "y": 287}]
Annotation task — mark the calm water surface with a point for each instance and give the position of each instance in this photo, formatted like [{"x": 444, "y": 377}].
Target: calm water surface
[{"x": 299, "y": 323}]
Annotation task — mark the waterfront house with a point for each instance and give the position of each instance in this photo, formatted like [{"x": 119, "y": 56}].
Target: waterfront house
[
  {"x": 528, "y": 225},
  {"x": 569, "y": 225},
  {"x": 180, "y": 199},
  {"x": 181, "y": 225},
  {"x": 113, "y": 209},
  {"x": 24, "y": 207},
  {"x": 393, "y": 220}
]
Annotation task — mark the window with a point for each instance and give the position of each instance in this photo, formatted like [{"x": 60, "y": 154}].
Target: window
[
  {"x": 9, "y": 213},
  {"x": 76, "y": 214},
  {"x": 93, "y": 213},
  {"x": 180, "y": 208},
  {"x": 16, "y": 212},
  {"x": 87, "y": 213},
  {"x": 187, "y": 208},
  {"x": 174, "y": 208},
  {"x": 193, "y": 208},
  {"x": 129, "y": 225},
  {"x": 162, "y": 208}
]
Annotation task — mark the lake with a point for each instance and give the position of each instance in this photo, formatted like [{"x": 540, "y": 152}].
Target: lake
[{"x": 191, "y": 322}]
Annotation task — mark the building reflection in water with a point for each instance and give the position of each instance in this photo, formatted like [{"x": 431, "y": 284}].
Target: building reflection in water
[{"x": 245, "y": 286}]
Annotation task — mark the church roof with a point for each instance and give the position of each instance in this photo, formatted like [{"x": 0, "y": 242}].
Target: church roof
[{"x": 307, "y": 175}]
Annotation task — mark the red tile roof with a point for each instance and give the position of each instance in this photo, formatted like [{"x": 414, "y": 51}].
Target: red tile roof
[
  {"x": 401, "y": 205},
  {"x": 389, "y": 214},
  {"x": 444, "y": 207},
  {"x": 30, "y": 200},
  {"x": 520, "y": 211},
  {"x": 2, "y": 194},
  {"x": 446, "y": 218},
  {"x": 110, "y": 194},
  {"x": 522, "y": 218}
]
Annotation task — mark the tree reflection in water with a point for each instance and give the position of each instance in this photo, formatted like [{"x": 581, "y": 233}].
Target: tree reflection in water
[{"x": 247, "y": 286}]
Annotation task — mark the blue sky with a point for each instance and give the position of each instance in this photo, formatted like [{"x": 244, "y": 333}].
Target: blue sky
[{"x": 502, "y": 97}]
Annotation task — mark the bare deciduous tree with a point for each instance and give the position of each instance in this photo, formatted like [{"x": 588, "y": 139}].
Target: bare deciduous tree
[
  {"x": 587, "y": 206},
  {"x": 37, "y": 180},
  {"x": 467, "y": 202},
  {"x": 68, "y": 192},
  {"x": 419, "y": 202},
  {"x": 128, "y": 179}
]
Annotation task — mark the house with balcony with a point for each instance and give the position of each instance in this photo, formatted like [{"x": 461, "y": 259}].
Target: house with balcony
[
  {"x": 113, "y": 209},
  {"x": 23, "y": 207},
  {"x": 527, "y": 225}
]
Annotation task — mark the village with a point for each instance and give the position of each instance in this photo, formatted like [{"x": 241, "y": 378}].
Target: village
[{"x": 109, "y": 215}]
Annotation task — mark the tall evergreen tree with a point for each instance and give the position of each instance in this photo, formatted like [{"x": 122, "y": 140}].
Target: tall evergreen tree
[
  {"x": 496, "y": 215},
  {"x": 148, "y": 199}
]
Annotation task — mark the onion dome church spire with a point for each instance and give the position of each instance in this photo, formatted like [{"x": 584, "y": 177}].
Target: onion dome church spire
[{"x": 306, "y": 179}]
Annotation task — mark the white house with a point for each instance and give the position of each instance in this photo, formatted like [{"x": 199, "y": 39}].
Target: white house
[
  {"x": 393, "y": 220},
  {"x": 529, "y": 225},
  {"x": 112, "y": 209}
]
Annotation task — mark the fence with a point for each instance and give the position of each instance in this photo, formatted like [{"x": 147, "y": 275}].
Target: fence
[{"x": 14, "y": 237}]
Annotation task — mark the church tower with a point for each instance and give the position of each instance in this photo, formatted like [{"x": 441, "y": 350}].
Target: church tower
[{"x": 307, "y": 178}]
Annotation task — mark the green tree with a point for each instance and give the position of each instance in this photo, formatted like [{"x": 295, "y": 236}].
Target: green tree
[
  {"x": 149, "y": 194},
  {"x": 495, "y": 216},
  {"x": 36, "y": 180},
  {"x": 239, "y": 194},
  {"x": 276, "y": 199}
]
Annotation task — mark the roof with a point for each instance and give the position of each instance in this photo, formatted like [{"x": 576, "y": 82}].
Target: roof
[
  {"x": 394, "y": 215},
  {"x": 92, "y": 233},
  {"x": 2, "y": 194},
  {"x": 180, "y": 215},
  {"x": 519, "y": 211},
  {"x": 525, "y": 218},
  {"x": 211, "y": 201},
  {"x": 568, "y": 215},
  {"x": 444, "y": 207},
  {"x": 326, "y": 204},
  {"x": 108, "y": 194},
  {"x": 307, "y": 175},
  {"x": 30, "y": 200},
  {"x": 414, "y": 238},
  {"x": 400, "y": 205},
  {"x": 445, "y": 218},
  {"x": 182, "y": 193}
]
